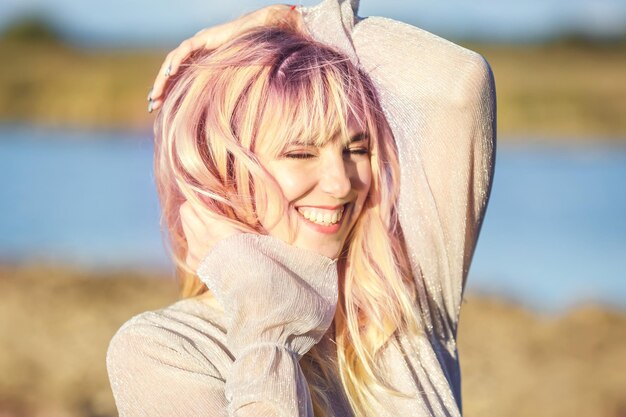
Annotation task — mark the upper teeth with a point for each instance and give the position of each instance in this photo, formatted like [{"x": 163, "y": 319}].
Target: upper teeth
[{"x": 321, "y": 216}]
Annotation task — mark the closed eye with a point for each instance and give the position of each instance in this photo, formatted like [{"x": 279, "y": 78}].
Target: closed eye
[
  {"x": 356, "y": 151},
  {"x": 299, "y": 155},
  {"x": 305, "y": 155}
]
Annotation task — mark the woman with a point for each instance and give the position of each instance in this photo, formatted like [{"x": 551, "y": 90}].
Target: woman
[{"x": 326, "y": 177}]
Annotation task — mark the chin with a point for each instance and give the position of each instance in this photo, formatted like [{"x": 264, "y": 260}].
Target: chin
[{"x": 323, "y": 245}]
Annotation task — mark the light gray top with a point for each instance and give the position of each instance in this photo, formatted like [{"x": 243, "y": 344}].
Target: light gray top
[{"x": 194, "y": 358}]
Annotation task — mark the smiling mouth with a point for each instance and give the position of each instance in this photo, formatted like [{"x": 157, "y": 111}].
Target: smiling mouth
[
  {"x": 323, "y": 220},
  {"x": 321, "y": 216}
]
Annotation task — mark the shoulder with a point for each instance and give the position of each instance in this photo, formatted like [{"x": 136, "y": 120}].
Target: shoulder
[
  {"x": 187, "y": 335},
  {"x": 170, "y": 362}
]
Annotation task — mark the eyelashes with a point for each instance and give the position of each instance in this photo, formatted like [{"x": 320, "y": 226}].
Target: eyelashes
[{"x": 305, "y": 155}]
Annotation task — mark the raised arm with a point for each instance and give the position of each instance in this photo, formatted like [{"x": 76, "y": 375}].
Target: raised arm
[
  {"x": 439, "y": 99},
  {"x": 212, "y": 37},
  {"x": 447, "y": 165}
]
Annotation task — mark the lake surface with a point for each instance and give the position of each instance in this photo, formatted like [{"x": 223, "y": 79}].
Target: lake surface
[{"x": 554, "y": 235}]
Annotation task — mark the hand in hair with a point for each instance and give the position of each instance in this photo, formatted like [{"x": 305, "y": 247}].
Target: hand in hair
[
  {"x": 212, "y": 37},
  {"x": 202, "y": 233}
]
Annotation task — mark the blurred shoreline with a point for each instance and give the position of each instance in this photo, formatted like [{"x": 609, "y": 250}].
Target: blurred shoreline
[
  {"x": 561, "y": 91},
  {"x": 55, "y": 325}
]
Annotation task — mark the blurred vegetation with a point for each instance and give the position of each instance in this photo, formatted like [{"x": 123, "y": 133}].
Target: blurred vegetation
[
  {"x": 55, "y": 326},
  {"x": 570, "y": 88},
  {"x": 48, "y": 81},
  {"x": 32, "y": 29},
  {"x": 566, "y": 89}
]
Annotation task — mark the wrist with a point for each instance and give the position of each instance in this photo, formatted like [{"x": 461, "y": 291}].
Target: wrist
[{"x": 282, "y": 15}]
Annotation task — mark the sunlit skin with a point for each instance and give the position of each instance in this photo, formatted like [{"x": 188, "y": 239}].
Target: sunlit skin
[{"x": 328, "y": 177}]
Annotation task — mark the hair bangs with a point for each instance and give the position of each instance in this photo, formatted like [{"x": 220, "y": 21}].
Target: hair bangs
[{"x": 314, "y": 96}]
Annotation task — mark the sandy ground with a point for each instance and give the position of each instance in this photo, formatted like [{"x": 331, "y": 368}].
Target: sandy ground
[{"x": 55, "y": 325}]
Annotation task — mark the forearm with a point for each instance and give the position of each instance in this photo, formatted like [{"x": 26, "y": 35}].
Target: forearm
[
  {"x": 279, "y": 301},
  {"x": 267, "y": 381}
]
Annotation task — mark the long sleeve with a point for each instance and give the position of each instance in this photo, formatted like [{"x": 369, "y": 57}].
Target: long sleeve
[
  {"x": 446, "y": 164},
  {"x": 449, "y": 172},
  {"x": 278, "y": 301},
  {"x": 439, "y": 100}
]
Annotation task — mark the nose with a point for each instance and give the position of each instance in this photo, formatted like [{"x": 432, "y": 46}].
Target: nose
[{"x": 335, "y": 178}]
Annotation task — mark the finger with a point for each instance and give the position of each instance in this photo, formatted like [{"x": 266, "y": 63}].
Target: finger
[
  {"x": 154, "y": 105},
  {"x": 191, "y": 262},
  {"x": 184, "y": 221},
  {"x": 215, "y": 36},
  {"x": 200, "y": 32},
  {"x": 161, "y": 79},
  {"x": 211, "y": 38},
  {"x": 169, "y": 67},
  {"x": 195, "y": 219},
  {"x": 196, "y": 240},
  {"x": 188, "y": 215},
  {"x": 184, "y": 50}
]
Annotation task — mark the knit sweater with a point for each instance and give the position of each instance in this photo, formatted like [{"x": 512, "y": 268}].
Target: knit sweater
[{"x": 241, "y": 356}]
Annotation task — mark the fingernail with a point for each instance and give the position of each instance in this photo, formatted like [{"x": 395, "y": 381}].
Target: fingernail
[
  {"x": 150, "y": 106},
  {"x": 168, "y": 70},
  {"x": 150, "y": 94}
]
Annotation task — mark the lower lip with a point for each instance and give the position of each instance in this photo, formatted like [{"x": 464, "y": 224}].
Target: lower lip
[{"x": 330, "y": 229}]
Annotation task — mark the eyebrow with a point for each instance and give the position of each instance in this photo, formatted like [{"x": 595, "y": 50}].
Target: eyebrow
[{"x": 358, "y": 137}]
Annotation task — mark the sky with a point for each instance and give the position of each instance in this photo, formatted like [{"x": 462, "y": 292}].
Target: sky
[{"x": 162, "y": 23}]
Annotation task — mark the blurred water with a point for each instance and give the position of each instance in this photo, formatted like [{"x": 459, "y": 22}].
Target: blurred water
[
  {"x": 78, "y": 197},
  {"x": 554, "y": 234},
  {"x": 555, "y": 230}
]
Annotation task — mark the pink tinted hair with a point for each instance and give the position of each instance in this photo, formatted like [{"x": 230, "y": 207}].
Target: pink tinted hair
[{"x": 255, "y": 94}]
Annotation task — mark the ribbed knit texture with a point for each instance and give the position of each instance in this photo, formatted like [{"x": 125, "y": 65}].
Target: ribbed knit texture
[
  {"x": 193, "y": 359},
  {"x": 270, "y": 337}
]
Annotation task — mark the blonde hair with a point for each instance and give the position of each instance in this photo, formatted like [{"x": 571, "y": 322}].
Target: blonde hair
[{"x": 257, "y": 92}]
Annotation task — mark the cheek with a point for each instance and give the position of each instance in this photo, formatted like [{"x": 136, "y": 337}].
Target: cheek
[
  {"x": 364, "y": 179},
  {"x": 292, "y": 182}
]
